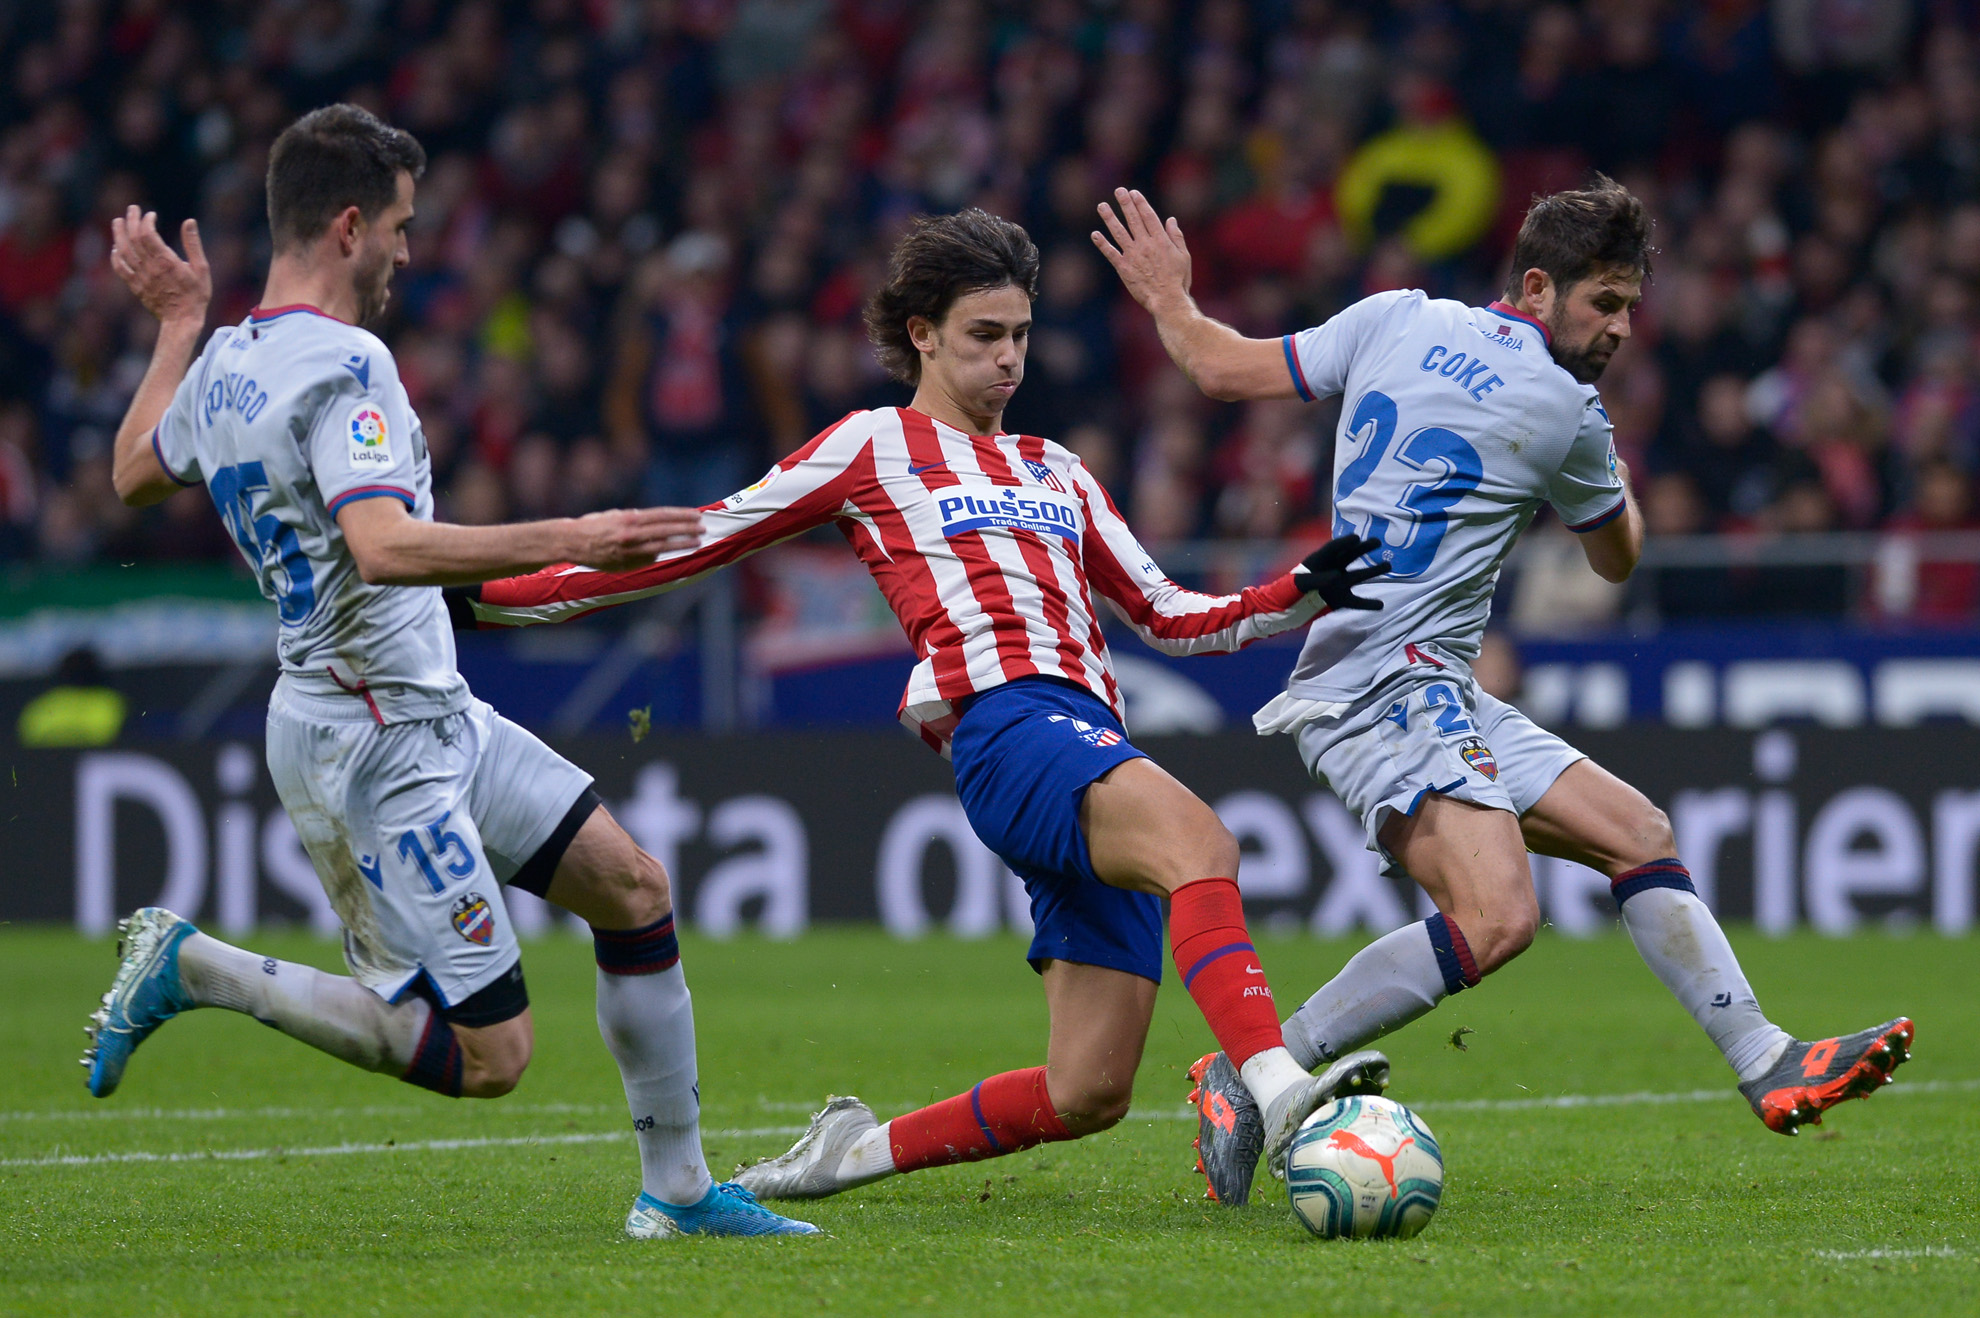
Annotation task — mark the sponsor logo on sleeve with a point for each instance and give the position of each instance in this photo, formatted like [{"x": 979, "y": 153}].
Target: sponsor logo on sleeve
[{"x": 368, "y": 433}]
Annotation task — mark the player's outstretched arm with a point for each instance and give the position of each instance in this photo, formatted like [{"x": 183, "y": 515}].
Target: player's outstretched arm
[
  {"x": 393, "y": 548},
  {"x": 1153, "y": 262},
  {"x": 176, "y": 291}
]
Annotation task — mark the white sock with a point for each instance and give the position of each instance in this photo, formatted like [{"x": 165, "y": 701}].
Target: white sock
[
  {"x": 870, "y": 1159},
  {"x": 1383, "y": 987},
  {"x": 331, "y": 1012},
  {"x": 1269, "y": 1074},
  {"x": 1677, "y": 937},
  {"x": 648, "y": 1024}
]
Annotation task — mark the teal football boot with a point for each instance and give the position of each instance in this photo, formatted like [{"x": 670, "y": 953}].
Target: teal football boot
[
  {"x": 146, "y": 993},
  {"x": 726, "y": 1210}
]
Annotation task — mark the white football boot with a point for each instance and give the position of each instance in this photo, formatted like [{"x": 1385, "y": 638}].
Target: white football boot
[
  {"x": 810, "y": 1169},
  {"x": 1364, "y": 1072}
]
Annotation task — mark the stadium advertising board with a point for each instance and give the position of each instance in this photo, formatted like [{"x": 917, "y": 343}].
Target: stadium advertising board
[{"x": 1787, "y": 826}]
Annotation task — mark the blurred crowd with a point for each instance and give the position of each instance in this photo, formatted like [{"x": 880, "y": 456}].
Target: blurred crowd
[{"x": 648, "y": 227}]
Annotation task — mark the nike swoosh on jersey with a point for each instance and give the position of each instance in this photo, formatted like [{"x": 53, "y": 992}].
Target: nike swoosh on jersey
[
  {"x": 916, "y": 471},
  {"x": 360, "y": 367}
]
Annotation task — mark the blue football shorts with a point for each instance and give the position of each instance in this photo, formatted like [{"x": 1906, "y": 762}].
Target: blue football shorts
[{"x": 1024, "y": 755}]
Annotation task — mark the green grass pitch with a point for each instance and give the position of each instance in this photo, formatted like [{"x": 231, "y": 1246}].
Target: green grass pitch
[{"x": 351, "y": 1194}]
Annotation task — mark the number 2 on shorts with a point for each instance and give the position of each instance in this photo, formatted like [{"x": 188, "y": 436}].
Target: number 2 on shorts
[{"x": 1443, "y": 704}]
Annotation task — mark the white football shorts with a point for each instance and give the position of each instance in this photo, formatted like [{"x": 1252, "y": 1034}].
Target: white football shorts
[
  {"x": 413, "y": 829},
  {"x": 1424, "y": 731}
]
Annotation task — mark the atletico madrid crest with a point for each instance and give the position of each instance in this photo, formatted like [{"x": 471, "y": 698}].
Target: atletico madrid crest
[
  {"x": 1044, "y": 475},
  {"x": 473, "y": 920}
]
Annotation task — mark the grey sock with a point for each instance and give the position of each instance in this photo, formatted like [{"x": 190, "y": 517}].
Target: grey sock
[
  {"x": 1678, "y": 939},
  {"x": 333, "y": 1013},
  {"x": 648, "y": 1024},
  {"x": 1385, "y": 986}
]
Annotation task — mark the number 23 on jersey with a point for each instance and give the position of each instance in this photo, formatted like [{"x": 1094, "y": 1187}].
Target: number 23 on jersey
[{"x": 1415, "y": 482}]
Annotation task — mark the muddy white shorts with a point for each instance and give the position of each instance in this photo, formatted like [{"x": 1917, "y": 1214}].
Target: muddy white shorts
[
  {"x": 413, "y": 829},
  {"x": 1427, "y": 731}
]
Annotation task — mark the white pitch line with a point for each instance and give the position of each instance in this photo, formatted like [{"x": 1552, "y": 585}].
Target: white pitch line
[
  {"x": 321, "y": 1151},
  {"x": 1569, "y": 1101},
  {"x": 282, "y": 1113},
  {"x": 346, "y": 1150},
  {"x": 1553, "y": 1102},
  {"x": 1929, "y": 1252}
]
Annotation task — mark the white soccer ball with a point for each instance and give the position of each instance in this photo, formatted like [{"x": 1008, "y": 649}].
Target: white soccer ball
[{"x": 1364, "y": 1166}]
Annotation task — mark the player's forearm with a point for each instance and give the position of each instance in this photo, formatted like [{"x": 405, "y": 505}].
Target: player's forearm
[
  {"x": 407, "y": 552},
  {"x": 1181, "y": 622},
  {"x": 134, "y": 469},
  {"x": 1221, "y": 362},
  {"x": 1615, "y": 549}
]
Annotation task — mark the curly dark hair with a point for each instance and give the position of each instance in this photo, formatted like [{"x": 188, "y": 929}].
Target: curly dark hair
[
  {"x": 1572, "y": 235},
  {"x": 942, "y": 258},
  {"x": 337, "y": 156}
]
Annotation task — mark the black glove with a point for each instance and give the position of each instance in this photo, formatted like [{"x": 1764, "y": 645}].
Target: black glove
[
  {"x": 1326, "y": 572},
  {"x": 460, "y": 607}
]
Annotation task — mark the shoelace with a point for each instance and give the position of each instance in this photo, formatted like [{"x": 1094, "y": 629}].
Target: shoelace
[{"x": 738, "y": 1191}]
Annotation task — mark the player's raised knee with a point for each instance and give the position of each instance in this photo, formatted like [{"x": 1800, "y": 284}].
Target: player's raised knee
[
  {"x": 1504, "y": 935},
  {"x": 1653, "y": 829}
]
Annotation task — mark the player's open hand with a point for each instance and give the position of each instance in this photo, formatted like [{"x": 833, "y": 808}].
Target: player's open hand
[
  {"x": 626, "y": 538},
  {"x": 1325, "y": 572},
  {"x": 1149, "y": 256},
  {"x": 171, "y": 288}
]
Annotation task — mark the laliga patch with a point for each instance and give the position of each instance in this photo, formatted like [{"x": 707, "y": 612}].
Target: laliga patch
[
  {"x": 741, "y": 497},
  {"x": 1479, "y": 756},
  {"x": 367, "y": 434},
  {"x": 473, "y": 920}
]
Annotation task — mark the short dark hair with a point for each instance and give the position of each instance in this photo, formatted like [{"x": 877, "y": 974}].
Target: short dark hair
[
  {"x": 338, "y": 156},
  {"x": 1572, "y": 235},
  {"x": 942, "y": 258}
]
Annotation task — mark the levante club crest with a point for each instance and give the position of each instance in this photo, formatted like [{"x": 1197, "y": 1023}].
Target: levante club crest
[
  {"x": 1479, "y": 756},
  {"x": 473, "y": 920}
]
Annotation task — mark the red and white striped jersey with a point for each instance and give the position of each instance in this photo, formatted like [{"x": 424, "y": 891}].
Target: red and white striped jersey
[{"x": 989, "y": 549}]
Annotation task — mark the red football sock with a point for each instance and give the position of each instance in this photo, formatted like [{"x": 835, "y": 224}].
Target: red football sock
[
  {"x": 1220, "y": 967},
  {"x": 1000, "y": 1115}
]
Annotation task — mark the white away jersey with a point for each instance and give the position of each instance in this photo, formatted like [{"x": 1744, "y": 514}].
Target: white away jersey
[
  {"x": 1456, "y": 423},
  {"x": 286, "y": 418}
]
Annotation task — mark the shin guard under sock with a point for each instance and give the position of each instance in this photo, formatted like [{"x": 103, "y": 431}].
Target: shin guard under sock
[
  {"x": 1002, "y": 1114},
  {"x": 1220, "y": 969},
  {"x": 1395, "y": 979},
  {"x": 646, "y": 1015},
  {"x": 1679, "y": 940},
  {"x": 333, "y": 1013}
]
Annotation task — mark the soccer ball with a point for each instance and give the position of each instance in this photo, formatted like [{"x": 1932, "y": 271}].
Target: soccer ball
[{"x": 1364, "y": 1166}]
